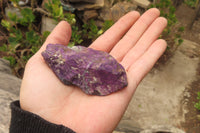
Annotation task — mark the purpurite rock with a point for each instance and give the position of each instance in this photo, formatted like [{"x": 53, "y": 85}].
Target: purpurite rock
[{"x": 95, "y": 72}]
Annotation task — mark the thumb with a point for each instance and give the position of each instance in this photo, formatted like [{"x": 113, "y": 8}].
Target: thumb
[{"x": 61, "y": 34}]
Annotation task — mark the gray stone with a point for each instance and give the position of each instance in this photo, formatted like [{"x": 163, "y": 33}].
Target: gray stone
[
  {"x": 90, "y": 1},
  {"x": 8, "y": 82},
  {"x": 109, "y": 3},
  {"x": 190, "y": 50},
  {"x": 158, "y": 98},
  {"x": 117, "y": 11},
  {"x": 5, "y": 99},
  {"x": 48, "y": 24},
  {"x": 118, "y": 132},
  {"x": 127, "y": 126},
  {"x": 142, "y": 3},
  {"x": 5, "y": 66},
  {"x": 121, "y": 8},
  {"x": 13, "y": 10},
  {"x": 23, "y": 2},
  {"x": 105, "y": 13},
  {"x": 90, "y": 14},
  {"x": 68, "y": 7},
  {"x": 9, "y": 91},
  {"x": 162, "y": 129},
  {"x": 85, "y": 6}
]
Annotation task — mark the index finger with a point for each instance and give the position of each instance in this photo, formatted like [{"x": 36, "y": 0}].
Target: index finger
[{"x": 108, "y": 40}]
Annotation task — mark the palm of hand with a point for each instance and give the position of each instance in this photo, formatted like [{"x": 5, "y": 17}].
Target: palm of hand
[{"x": 42, "y": 93}]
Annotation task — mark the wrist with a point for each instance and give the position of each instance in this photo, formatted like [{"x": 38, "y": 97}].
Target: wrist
[{"x": 22, "y": 120}]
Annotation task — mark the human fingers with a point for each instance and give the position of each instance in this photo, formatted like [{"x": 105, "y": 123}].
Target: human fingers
[
  {"x": 134, "y": 34},
  {"x": 107, "y": 41},
  {"x": 145, "y": 63},
  {"x": 61, "y": 34},
  {"x": 151, "y": 34}
]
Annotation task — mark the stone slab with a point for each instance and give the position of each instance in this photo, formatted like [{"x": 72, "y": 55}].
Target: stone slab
[
  {"x": 117, "y": 10},
  {"x": 90, "y": 1},
  {"x": 142, "y": 3},
  {"x": 157, "y": 100},
  {"x": 8, "y": 82},
  {"x": 5, "y": 99},
  {"x": 162, "y": 129},
  {"x": 84, "y": 6},
  {"x": 13, "y": 10},
  {"x": 90, "y": 14},
  {"x": 9, "y": 91},
  {"x": 48, "y": 24}
]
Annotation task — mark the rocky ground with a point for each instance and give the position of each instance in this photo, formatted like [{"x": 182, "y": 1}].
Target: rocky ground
[
  {"x": 9, "y": 91},
  {"x": 156, "y": 103},
  {"x": 158, "y": 99}
]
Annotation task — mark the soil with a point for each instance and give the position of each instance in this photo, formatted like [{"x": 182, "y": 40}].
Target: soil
[
  {"x": 3, "y": 39},
  {"x": 192, "y": 118},
  {"x": 185, "y": 16}
]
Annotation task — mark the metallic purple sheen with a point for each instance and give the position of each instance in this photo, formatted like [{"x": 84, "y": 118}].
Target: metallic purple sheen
[{"x": 95, "y": 72}]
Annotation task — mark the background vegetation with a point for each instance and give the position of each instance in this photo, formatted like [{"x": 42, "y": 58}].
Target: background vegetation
[{"x": 24, "y": 37}]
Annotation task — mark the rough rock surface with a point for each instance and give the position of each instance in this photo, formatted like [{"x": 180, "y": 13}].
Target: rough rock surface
[
  {"x": 142, "y": 3},
  {"x": 90, "y": 1},
  {"x": 84, "y": 6},
  {"x": 90, "y": 14},
  {"x": 158, "y": 99},
  {"x": 116, "y": 11},
  {"x": 48, "y": 24},
  {"x": 12, "y": 10},
  {"x": 95, "y": 72},
  {"x": 162, "y": 129},
  {"x": 9, "y": 91},
  {"x": 8, "y": 81}
]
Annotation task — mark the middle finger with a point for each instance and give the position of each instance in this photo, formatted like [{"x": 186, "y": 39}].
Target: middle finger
[{"x": 133, "y": 35}]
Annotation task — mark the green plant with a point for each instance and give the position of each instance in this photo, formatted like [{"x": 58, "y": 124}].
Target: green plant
[
  {"x": 172, "y": 33},
  {"x": 55, "y": 9},
  {"x": 76, "y": 37},
  {"x": 191, "y": 3},
  {"x": 26, "y": 19},
  {"x": 197, "y": 104},
  {"x": 24, "y": 38},
  {"x": 107, "y": 24},
  {"x": 22, "y": 43},
  {"x": 92, "y": 31}
]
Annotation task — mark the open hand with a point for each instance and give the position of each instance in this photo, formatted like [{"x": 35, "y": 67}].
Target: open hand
[{"x": 132, "y": 41}]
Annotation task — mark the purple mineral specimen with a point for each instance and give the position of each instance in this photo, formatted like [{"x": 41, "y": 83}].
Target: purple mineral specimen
[{"x": 95, "y": 72}]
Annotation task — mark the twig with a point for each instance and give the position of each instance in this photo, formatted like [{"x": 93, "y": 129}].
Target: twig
[
  {"x": 197, "y": 11},
  {"x": 32, "y": 3},
  {"x": 23, "y": 50},
  {"x": 42, "y": 11},
  {"x": 2, "y": 10},
  {"x": 2, "y": 33}
]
